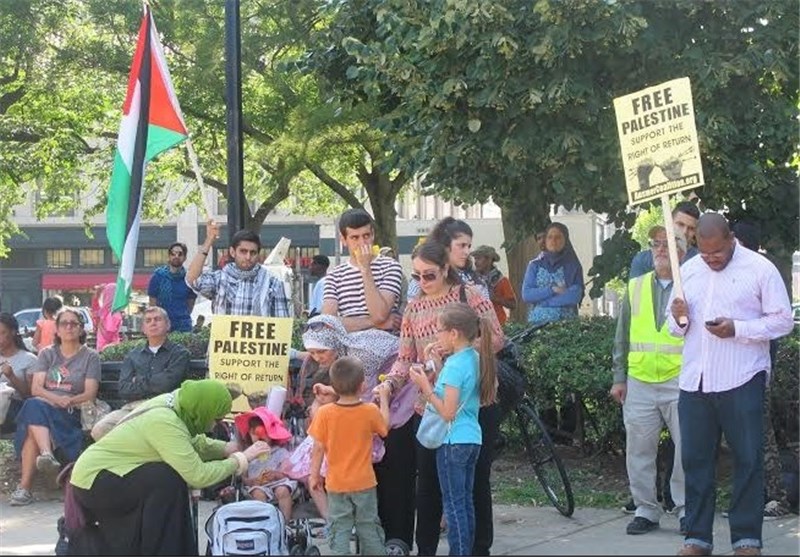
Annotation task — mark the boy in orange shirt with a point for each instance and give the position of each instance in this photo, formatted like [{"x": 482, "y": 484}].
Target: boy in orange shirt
[{"x": 342, "y": 432}]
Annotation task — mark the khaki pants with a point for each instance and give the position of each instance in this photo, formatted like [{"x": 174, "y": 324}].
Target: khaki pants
[
  {"x": 648, "y": 407},
  {"x": 110, "y": 420}
]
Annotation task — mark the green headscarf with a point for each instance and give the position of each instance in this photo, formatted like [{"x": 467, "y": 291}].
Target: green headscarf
[{"x": 201, "y": 402}]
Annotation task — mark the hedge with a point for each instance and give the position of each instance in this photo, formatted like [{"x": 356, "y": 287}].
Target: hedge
[{"x": 574, "y": 356}]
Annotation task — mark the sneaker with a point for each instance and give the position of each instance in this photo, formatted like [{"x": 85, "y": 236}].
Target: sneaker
[
  {"x": 669, "y": 506},
  {"x": 725, "y": 514},
  {"x": 773, "y": 509},
  {"x": 640, "y": 525},
  {"x": 682, "y": 528},
  {"x": 21, "y": 497},
  {"x": 629, "y": 508},
  {"x": 47, "y": 464}
]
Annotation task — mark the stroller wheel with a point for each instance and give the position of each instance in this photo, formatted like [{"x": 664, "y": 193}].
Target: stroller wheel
[
  {"x": 297, "y": 549},
  {"x": 312, "y": 550},
  {"x": 397, "y": 546}
]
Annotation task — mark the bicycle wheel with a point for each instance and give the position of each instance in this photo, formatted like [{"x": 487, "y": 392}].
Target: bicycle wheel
[{"x": 546, "y": 464}]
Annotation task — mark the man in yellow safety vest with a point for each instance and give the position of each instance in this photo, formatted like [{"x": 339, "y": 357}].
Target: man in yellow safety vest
[{"x": 646, "y": 365}]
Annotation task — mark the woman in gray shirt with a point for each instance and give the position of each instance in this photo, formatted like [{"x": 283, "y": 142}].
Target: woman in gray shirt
[
  {"x": 15, "y": 360},
  {"x": 66, "y": 375}
]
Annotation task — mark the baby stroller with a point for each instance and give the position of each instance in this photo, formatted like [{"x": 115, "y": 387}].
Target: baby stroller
[{"x": 240, "y": 526}]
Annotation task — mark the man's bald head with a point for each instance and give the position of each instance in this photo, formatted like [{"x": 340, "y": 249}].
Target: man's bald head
[
  {"x": 713, "y": 225},
  {"x": 715, "y": 241}
]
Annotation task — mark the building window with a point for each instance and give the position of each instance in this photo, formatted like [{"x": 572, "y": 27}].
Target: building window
[
  {"x": 59, "y": 258},
  {"x": 153, "y": 257},
  {"x": 91, "y": 258}
]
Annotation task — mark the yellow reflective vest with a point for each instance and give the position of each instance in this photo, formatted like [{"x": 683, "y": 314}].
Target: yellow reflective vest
[{"x": 654, "y": 355}]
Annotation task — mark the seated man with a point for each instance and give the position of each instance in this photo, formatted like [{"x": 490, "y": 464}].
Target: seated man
[{"x": 158, "y": 366}]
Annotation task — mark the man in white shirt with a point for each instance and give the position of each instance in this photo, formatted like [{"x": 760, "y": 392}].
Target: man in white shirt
[{"x": 734, "y": 304}]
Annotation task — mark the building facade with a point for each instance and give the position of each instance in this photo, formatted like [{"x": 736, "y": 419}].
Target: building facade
[{"x": 56, "y": 256}]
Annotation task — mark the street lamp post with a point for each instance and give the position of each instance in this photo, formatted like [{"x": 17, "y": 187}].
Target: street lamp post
[{"x": 233, "y": 114}]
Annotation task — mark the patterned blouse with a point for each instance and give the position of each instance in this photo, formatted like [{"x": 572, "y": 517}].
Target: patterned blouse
[{"x": 420, "y": 325}]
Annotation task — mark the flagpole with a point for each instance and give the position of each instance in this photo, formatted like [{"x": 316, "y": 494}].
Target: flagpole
[{"x": 198, "y": 173}]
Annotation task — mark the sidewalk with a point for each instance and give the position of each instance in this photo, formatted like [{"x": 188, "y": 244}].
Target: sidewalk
[{"x": 518, "y": 531}]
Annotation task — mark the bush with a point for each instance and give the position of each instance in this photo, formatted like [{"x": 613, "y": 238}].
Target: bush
[
  {"x": 785, "y": 390},
  {"x": 196, "y": 343},
  {"x": 574, "y": 357}
]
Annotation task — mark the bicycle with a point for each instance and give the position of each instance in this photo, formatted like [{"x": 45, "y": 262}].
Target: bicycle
[{"x": 539, "y": 447}]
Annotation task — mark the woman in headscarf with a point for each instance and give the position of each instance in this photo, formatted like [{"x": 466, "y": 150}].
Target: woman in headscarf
[
  {"x": 326, "y": 340},
  {"x": 108, "y": 322},
  {"x": 132, "y": 486},
  {"x": 553, "y": 284}
]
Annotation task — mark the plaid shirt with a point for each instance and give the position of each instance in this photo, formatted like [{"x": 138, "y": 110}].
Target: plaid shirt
[{"x": 236, "y": 292}]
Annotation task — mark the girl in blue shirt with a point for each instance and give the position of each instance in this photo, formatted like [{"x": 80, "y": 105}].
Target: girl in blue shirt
[{"x": 467, "y": 380}]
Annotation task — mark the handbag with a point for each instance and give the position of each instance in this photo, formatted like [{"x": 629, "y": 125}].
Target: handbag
[
  {"x": 92, "y": 412},
  {"x": 433, "y": 429}
]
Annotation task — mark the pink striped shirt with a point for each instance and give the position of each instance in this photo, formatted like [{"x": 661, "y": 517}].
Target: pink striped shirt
[{"x": 748, "y": 290}]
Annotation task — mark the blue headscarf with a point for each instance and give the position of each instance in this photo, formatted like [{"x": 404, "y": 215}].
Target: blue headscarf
[{"x": 566, "y": 258}]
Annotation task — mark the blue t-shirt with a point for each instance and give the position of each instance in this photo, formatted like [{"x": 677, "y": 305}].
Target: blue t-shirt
[
  {"x": 461, "y": 371},
  {"x": 171, "y": 293},
  {"x": 315, "y": 303}
]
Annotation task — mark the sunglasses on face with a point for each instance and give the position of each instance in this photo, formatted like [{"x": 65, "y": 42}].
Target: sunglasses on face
[
  {"x": 69, "y": 324},
  {"x": 658, "y": 243},
  {"x": 425, "y": 277}
]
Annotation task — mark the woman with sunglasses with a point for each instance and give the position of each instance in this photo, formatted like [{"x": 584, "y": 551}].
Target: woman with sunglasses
[
  {"x": 553, "y": 284},
  {"x": 65, "y": 375},
  {"x": 440, "y": 285},
  {"x": 456, "y": 236}
]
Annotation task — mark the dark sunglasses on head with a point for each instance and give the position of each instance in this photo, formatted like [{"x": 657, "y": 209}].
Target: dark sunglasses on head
[
  {"x": 424, "y": 277},
  {"x": 315, "y": 326}
]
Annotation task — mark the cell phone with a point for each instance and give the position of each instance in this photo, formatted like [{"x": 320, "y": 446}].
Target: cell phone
[{"x": 712, "y": 323}]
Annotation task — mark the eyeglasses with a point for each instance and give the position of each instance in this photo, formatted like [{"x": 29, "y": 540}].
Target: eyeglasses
[
  {"x": 316, "y": 326},
  {"x": 69, "y": 324},
  {"x": 177, "y": 253},
  {"x": 424, "y": 277},
  {"x": 658, "y": 243}
]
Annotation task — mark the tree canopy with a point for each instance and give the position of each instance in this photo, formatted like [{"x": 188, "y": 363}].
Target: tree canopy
[
  {"x": 512, "y": 99},
  {"x": 63, "y": 81}
]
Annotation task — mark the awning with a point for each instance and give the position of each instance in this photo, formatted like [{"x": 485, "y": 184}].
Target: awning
[{"x": 87, "y": 281}]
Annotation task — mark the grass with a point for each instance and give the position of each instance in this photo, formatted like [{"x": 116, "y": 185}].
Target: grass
[{"x": 599, "y": 481}]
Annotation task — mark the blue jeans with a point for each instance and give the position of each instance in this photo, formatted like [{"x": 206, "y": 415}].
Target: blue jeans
[
  {"x": 738, "y": 414},
  {"x": 456, "y": 468}
]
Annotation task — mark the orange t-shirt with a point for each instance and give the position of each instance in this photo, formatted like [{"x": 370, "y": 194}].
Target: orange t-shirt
[
  {"x": 47, "y": 334},
  {"x": 504, "y": 290},
  {"x": 346, "y": 433}
]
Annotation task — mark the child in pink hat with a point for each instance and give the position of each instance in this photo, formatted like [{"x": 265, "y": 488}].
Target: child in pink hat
[{"x": 265, "y": 479}]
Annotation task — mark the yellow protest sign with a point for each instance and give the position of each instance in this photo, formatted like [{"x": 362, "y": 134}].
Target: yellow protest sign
[
  {"x": 658, "y": 139},
  {"x": 250, "y": 352}
]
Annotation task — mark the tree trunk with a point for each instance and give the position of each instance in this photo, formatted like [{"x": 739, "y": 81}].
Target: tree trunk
[
  {"x": 382, "y": 191},
  {"x": 385, "y": 215},
  {"x": 520, "y": 251}
]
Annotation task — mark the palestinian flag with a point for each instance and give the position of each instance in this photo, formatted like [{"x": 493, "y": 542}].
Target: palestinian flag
[{"x": 151, "y": 123}]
